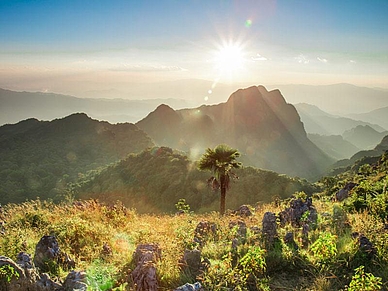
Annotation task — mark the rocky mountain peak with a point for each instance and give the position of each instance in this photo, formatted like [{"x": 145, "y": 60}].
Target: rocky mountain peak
[{"x": 257, "y": 122}]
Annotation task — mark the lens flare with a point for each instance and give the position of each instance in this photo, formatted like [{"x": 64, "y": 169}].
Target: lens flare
[{"x": 248, "y": 23}]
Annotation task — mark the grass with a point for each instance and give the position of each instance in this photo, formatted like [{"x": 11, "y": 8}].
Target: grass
[{"x": 82, "y": 228}]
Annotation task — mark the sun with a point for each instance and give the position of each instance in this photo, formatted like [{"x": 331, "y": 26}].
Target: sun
[
  {"x": 229, "y": 57},
  {"x": 229, "y": 61}
]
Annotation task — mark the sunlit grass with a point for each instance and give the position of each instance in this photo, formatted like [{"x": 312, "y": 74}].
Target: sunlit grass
[{"x": 82, "y": 229}]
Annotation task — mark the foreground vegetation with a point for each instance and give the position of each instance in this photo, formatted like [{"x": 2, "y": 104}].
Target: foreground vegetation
[
  {"x": 330, "y": 257},
  {"x": 329, "y": 262}
]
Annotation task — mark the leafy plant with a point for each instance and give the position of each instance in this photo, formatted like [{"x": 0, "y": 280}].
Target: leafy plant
[
  {"x": 364, "y": 281},
  {"x": 182, "y": 206},
  {"x": 324, "y": 248},
  {"x": 247, "y": 272},
  {"x": 100, "y": 277}
]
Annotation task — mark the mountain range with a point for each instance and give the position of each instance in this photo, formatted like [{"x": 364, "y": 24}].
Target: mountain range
[
  {"x": 265, "y": 128},
  {"x": 317, "y": 121},
  {"x": 345, "y": 100},
  {"x": 42, "y": 158},
  {"x": 338, "y": 99},
  {"x": 345, "y": 164},
  {"x": 18, "y": 106}
]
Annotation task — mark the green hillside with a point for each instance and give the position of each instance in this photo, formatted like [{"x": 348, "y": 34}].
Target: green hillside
[
  {"x": 39, "y": 158},
  {"x": 154, "y": 180}
]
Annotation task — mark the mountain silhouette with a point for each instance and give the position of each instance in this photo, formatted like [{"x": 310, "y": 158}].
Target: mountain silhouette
[
  {"x": 345, "y": 164},
  {"x": 260, "y": 124},
  {"x": 317, "y": 121},
  {"x": 364, "y": 137}
]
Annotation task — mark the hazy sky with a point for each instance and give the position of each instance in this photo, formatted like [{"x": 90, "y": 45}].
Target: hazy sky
[{"x": 77, "y": 46}]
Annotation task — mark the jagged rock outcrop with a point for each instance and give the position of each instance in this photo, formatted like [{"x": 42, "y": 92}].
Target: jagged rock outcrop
[
  {"x": 47, "y": 251},
  {"x": 266, "y": 129},
  {"x": 192, "y": 264},
  {"x": 365, "y": 245},
  {"x": 343, "y": 193},
  {"x": 75, "y": 280},
  {"x": 202, "y": 231},
  {"x": 144, "y": 275},
  {"x": 26, "y": 274},
  {"x": 297, "y": 211},
  {"x": 243, "y": 211},
  {"x": 22, "y": 276},
  {"x": 190, "y": 287},
  {"x": 269, "y": 228}
]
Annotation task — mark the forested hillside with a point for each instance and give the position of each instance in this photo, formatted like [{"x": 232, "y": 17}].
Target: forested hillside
[
  {"x": 154, "y": 180},
  {"x": 39, "y": 158}
]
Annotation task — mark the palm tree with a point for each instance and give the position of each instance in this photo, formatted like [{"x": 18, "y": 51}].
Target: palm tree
[{"x": 220, "y": 160}]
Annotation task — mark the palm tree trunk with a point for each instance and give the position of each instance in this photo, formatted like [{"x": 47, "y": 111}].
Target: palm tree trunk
[
  {"x": 222, "y": 202},
  {"x": 223, "y": 195}
]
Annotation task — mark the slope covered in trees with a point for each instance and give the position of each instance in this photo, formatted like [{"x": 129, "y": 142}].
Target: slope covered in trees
[
  {"x": 39, "y": 158},
  {"x": 154, "y": 180}
]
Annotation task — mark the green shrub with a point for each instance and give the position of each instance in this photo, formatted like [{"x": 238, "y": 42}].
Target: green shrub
[
  {"x": 364, "y": 281},
  {"x": 324, "y": 249}
]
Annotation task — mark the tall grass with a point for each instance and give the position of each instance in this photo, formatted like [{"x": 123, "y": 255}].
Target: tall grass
[{"x": 82, "y": 229}]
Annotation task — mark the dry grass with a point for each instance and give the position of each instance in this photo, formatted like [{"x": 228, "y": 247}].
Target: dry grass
[{"x": 82, "y": 228}]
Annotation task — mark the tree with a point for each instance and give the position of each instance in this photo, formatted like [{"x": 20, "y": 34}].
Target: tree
[{"x": 220, "y": 160}]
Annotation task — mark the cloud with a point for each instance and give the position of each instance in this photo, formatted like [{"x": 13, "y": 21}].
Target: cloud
[
  {"x": 259, "y": 57},
  {"x": 322, "y": 60},
  {"x": 147, "y": 68},
  {"x": 352, "y": 61},
  {"x": 302, "y": 59}
]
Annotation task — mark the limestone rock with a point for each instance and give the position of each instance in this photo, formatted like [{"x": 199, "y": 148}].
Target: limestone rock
[
  {"x": 269, "y": 228},
  {"x": 190, "y": 287},
  {"x": 243, "y": 211},
  {"x": 144, "y": 275},
  {"x": 343, "y": 193},
  {"x": 203, "y": 230},
  {"x": 298, "y": 213},
  {"x": 47, "y": 250},
  {"x": 75, "y": 281},
  {"x": 25, "y": 276}
]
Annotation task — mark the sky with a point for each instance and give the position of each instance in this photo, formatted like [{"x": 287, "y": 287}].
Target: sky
[{"x": 74, "y": 47}]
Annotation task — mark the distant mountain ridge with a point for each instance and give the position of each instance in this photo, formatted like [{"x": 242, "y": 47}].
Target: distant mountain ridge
[
  {"x": 18, "y": 106},
  {"x": 317, "y": 121},
  {"x": 337, "y": 99},
  {"x": 377, "y": 116},
  {"x": 334, "y": 145},
  {"x": 364, "y": 136},
  {"x": 343, "y": 165},
  {"x": 266, "y": 129}
]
